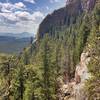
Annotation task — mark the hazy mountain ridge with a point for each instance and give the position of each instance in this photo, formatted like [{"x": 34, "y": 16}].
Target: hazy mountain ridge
[
  {"x": 18, "y": 35},
  {"x": 13, "y": 44}
]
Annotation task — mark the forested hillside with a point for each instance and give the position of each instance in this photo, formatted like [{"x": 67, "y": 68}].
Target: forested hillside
[{"x": 50, "y": 63}]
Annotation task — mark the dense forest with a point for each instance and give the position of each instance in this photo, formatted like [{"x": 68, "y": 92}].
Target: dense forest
[{"x": 37, "y": 72}]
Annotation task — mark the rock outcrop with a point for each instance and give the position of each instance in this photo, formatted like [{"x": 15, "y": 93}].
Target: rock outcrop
[
  {"x": 65, "y": 16},
  {"x": 74, "y": 89}
]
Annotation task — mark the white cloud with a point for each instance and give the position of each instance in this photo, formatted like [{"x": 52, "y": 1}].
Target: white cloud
[
  {"x": 19, "y": 27},
  {"x": 15, "y": 18},
  {"x": 53, "y": 1},
  {"x": 24, "y": 15},
  {"x": 37, "y": 14},
  {"x": 5, "y": 10},
  {"x": 8, "y": 16},
  {"x": 47, "y": 7},
  {"x": 6, "y": 7},
  {"x": 30, "y": 1},
  {"x": 19, "y": 5},
  {"x": 9, "y": 7}
]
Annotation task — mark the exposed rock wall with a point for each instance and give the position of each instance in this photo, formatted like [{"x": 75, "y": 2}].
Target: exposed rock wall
[
  {"x": 74, "y": 90},
  {"x": 65, "y": 16},
  {"x": 60, "y": 17}
]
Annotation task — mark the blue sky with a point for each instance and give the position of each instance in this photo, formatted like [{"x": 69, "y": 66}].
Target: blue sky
[{"x": 17, "y": 16}]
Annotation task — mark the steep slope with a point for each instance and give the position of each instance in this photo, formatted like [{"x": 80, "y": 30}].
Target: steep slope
[
  {"x": 74, "y": 90},
  {"x": 56, "y": 65},
  {"x": 60, "y": 17},
  {"x": 65, "y": 16}
]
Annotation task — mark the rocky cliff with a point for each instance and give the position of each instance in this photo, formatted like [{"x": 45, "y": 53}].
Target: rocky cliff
[
  {"x": 65, "y": 16},
  {"x": 74, "y": 89}
]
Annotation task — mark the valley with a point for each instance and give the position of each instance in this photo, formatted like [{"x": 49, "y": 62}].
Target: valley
[{"x": 13, "y": 45}]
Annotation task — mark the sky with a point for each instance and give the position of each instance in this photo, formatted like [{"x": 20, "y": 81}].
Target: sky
[{"x": 17, "y": 16}]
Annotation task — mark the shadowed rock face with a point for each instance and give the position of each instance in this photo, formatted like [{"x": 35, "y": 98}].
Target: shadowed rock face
[
  {"x": 88, "y": 4},
  {"x": 60, "y": 17},
  {"x": 64, "y": 16}
]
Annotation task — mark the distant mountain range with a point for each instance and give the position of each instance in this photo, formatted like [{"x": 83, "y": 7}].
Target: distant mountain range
[
  {"x": 14, "y": 43},
  {"x": 18, "y": 35}
]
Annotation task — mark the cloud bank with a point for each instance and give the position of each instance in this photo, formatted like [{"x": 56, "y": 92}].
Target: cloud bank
[
  {"x": 15, "y": 18},
  {"x": 30, "y": 1}
]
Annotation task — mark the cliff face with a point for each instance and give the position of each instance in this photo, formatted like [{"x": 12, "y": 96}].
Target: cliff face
[
  {"x": 65, "y": 16},
  {"x": 60, "y": 17},
  {"x": 74, "y": 90}
]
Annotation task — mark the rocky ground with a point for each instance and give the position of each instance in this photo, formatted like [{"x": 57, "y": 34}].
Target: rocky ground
[{"x": 74, "y": 89}]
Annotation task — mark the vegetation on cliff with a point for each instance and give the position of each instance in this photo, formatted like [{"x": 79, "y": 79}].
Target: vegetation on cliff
[
  {"x": 33, "y": 75},
  {"x": 93, "y": 85}
]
